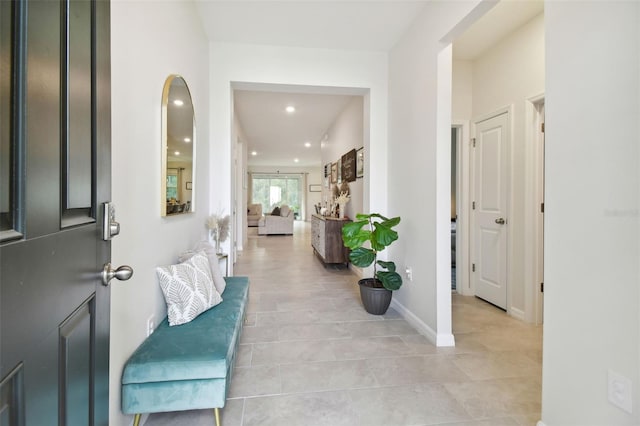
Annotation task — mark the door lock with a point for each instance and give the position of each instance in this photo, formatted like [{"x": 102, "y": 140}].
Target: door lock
[
  {"x": 110, "y": 228},
  {"x": 123, "y": 273},
  {"x": 500, "y": 221}
]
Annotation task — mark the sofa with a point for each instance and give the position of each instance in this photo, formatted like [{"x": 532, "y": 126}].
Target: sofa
[
  {"x": 279, "y": 223},
  {"x": 189, "y": 366},
  {"x": 254, "y": 213}
]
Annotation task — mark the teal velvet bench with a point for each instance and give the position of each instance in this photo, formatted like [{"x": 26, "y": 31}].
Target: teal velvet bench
[{"x": 189, "y": 366}]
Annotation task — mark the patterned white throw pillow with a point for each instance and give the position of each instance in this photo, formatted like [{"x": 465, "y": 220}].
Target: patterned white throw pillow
[{"x": 188, "y": 289}]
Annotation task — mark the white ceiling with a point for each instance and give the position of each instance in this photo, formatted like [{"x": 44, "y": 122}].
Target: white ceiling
[
  {"x": 503, "y": 19},
  {"x": 279, "y": 137},
  {"x": 361, "y": 25}
]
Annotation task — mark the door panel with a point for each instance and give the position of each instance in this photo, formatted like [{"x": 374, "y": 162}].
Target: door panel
[
  {"x": 54, "y": 310},
  {"x": 490, "y": 214},
  {"x": 78, "y": 116}
]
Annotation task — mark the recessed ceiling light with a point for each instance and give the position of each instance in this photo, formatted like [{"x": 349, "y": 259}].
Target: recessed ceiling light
[
  {"x": 307, "y": 144},
  {"x": 187, "y": 140},
  {"x": 295, "y": 160},
  {"x": 290, "y": 109},
  {"x": 177, "y": 153},
  {"x": 254, "y": 153},
  {"x": 178, "y": 102}
]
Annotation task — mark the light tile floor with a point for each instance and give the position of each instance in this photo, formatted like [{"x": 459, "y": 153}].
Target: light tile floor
[{"x": 310, "y": 355}]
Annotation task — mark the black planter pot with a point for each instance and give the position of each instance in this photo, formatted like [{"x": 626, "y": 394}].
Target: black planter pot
[{"x": 375, "y": 298}]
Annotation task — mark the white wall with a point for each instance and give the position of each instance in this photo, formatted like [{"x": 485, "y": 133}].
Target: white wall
[
  {"x": 242, "y": 187},
  {"x": 592, "y": 299},
  {"x": 345, "y": 134},
  {"x": 462, "y": 90},
  {"x": 506, "y": 75},
  {"x": 142, "y": 57},
  {"x": 307, "y": 67},
  {"x": 419, "y": 167}
]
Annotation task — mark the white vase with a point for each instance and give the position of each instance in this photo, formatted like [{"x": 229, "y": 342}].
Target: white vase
[{"x": 342, "y": 207}]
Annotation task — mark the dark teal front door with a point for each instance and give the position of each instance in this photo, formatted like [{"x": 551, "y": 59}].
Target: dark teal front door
[{"x": 54, "y": 176}]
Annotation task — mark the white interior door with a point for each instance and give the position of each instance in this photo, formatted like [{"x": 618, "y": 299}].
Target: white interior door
[{"x": 490, "y": 212}]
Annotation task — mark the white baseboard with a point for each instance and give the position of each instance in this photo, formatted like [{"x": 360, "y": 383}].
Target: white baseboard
[
  {"x": 422, "y": 327},
  {"x": 517, "y": 313}
]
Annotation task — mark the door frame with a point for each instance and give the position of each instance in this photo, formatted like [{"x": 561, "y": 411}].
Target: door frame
[
  {"x": 463, "y": 168},
  {"x": 508, "y": 109},
  {"x": 534, "y": 235}
]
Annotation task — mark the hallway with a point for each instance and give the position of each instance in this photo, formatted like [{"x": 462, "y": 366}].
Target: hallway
[{"x": 310, "y": 355}]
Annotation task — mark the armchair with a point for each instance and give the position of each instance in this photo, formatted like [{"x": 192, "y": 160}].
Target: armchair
[
  {"x": 254, "y": 213},
  {"x": 283, "y": 224}
]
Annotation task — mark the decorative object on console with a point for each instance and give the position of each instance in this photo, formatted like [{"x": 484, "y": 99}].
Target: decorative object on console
[
  {"x": 218, "y": 225},
  {"x": 377, "y": 230},
  {"x": 342, "y": 201}
]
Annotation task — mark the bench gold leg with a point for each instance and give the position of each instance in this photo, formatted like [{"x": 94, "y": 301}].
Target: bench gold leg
[
  {"x": 136, "y": 420},
  {"x": 217, "y": 411}
]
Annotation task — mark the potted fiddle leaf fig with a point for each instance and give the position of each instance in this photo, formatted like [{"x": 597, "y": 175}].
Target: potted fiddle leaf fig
[{"x": 378, "y": 232}]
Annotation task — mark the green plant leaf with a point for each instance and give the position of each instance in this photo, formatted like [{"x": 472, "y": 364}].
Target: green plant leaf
[
  {"x": 390, "y": 223},
  {"x": 379, "y": 216},
  {"x": 352, "y": 228},
  {"x": 358, "y": 239},
  {"x": 353, "y": 235},
  {"x": 362, "y": 257},
  {"x": 362, "y": 216},
  {"x": 390, "y": 266},
  {"x": 390, "y": 280},
  {"x": 383, "y": 236}
]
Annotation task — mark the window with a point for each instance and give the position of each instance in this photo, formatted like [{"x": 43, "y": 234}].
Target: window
[
  {"x": 172, "y": 184},
  {"x": 275, "y": 190}
]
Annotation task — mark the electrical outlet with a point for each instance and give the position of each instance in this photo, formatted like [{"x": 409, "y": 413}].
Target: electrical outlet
[
  {"x": 409, "y": 273},
  {"x": 150, "y": 325},
  {"x": 619, "y": 391}
]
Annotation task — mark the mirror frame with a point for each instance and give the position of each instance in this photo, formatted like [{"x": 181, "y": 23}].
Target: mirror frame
[{"x": 165, "y": 143}]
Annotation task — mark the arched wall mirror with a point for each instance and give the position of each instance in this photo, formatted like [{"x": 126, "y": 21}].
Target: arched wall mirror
[{"x": 178, "y": 148}]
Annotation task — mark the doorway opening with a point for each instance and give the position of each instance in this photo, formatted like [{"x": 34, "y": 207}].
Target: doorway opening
[{"x": 481, "y": 89}]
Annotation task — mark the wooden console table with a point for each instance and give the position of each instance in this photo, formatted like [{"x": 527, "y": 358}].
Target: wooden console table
[{"x": 326, "y": 239}]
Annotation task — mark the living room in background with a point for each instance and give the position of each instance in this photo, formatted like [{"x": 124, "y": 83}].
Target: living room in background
[{"x": 275, "y": 190}]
